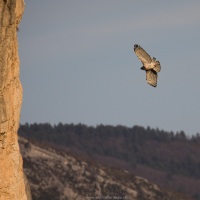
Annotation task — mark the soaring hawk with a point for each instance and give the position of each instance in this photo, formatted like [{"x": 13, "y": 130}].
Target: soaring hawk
[{"x": 150, "y": 65}]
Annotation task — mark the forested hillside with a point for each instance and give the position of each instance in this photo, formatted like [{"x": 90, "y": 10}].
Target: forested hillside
[
  {"x": 169, "y": 159},
  {"x": 57, "y": 175}
]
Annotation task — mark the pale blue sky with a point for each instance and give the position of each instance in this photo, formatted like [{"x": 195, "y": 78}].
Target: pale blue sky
[{"x": 78, "y": 64}]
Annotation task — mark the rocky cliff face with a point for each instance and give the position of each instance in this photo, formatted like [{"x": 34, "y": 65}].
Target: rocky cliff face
[
  {"x": 12, "y": 185},
  {"x": 55, "y": 174}
]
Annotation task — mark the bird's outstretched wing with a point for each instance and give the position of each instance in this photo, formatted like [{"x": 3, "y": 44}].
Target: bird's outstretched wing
[
  {"x": 151, "y": 77},
  {"x": 142, "y": 55}
]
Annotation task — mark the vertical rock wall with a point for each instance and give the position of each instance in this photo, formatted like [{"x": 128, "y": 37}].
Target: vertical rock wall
[{"x": 12, "y": 185}]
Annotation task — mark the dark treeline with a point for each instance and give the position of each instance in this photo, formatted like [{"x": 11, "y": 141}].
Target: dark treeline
[
  {"x": 40, "y": 130},
  {"x": 171, "y": 152}
]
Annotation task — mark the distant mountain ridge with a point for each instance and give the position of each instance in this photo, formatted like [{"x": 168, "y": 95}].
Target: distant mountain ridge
[
  {"x": 169, "y": 159},
  {"x": 56, "y": 175}
]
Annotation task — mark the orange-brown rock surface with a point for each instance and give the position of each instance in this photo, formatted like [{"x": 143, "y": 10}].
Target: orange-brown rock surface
[{"x": 12, "y": 185}]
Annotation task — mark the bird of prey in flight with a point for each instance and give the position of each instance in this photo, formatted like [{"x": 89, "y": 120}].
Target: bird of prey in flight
[{"x": 150, "y": 65}]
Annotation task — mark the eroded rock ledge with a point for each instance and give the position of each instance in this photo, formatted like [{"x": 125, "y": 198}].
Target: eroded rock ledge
[{"x": 12, "y": 185}]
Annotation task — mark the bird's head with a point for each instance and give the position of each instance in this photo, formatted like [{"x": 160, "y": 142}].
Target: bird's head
[{"x": 135, "y": 46}]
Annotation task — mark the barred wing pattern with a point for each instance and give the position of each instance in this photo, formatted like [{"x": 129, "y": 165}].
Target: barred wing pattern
[
  {"x": 143, "y": 55},
  {"x": 151, "y": 77}
]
